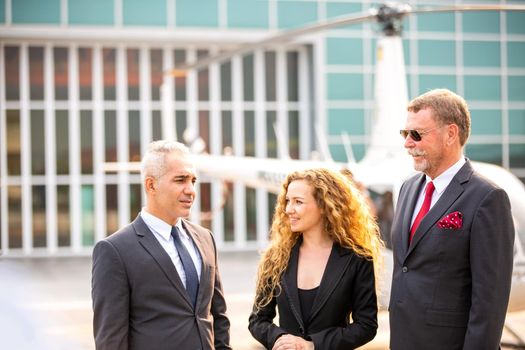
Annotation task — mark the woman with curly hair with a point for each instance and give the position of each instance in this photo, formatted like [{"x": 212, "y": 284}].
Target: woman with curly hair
[{"x": 319, "y": 269}]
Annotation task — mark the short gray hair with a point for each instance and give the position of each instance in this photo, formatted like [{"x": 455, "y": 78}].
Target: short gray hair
[{"x": 154, "y": 160}]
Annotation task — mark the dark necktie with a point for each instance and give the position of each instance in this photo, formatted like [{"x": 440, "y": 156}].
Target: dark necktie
[
  {"x": 429, "y": 189},
  {"x": 192, "y": 279}
]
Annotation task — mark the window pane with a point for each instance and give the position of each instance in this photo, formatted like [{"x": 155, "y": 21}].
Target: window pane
[
  {"x": 481, "y": 54},
  {"x": 204, "y": 128},
  {"x": 13, "y": 142},
  {"x": 92, "y": 12},
  {"x": 485, "y": 153},
  {"x": 248, "y": 13},
  {"x": 251, "y": 214},
  {"x": 156, "y": 126},
  {"x": 88, "y": 215},
  {"x": 351, "y": 121},
  {"x": 36, "y": 73},
  {"x": 110, "y": 133},
  {"x": 228, "y": 213},
  {"x": 206, "y": 210},
  {"x": 344, "y": 51},
  {"x": 36, "y": 12},
  {"x": 248, "y": 81},
  {"x": 61, "y": 73},
  {"x": 134, "y": 12},
  {"x": 62, "y": 142},
  {"x": 133, "y": 74},
  {"x": 63, "y": 224},
  {"x": 437, "y": 53},
  {"x": 180, "y": 82},
  {"x": 39, "y": 216},
  {"x": 38, "y": 153},
  {"x": 203, "y": 79},
  {"x": 12, "y": 73},
  {"x": 271, "y": 81},
  {"x": 156, "y": 73},
  {"x": 293, "y": 76},
  {"x": 85, "y": 73},
  {"x": 111, "y": 209},
  {"x": 486, "y": 122},
  {"x": 181, "y": 122},
  {"x": 189, "y": 14},
  {"x": 134, "y": 136},
  {"x": 271, "y": 140},
  {"x": 293, "y": 134},
  {"x": 226, "y": 81},
  {"x": 517, "y": 155},
  {"x": 227, "y": 129},
  {"x": 110, "y": 71},
  {"x": 517, "y": 122},
  {"x": 345, "y": 86},
  {"x": 249, "y": 133},
  {"x": 86, "y": 142},
  {"x": 296, "y": 13},
  {"x": 135, "y": 198},
  {"x": 14, "y": 215},
  {"x": 484, "y": 88}
]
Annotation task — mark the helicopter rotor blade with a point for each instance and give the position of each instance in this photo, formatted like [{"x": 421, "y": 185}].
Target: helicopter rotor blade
[{"x": 383, "y": 14}]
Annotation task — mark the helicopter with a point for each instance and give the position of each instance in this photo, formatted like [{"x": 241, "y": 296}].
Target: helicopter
[{"x": 385, "y": 164}]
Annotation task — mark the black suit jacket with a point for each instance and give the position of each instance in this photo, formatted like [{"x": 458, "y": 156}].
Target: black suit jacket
[
  {"x": 139, "y": 300},
  {"x": 450, "y": 288},
  {"x": 347, "y": 288}
]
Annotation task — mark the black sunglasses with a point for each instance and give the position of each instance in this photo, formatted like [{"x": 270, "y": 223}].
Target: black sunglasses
[{"x": 415, "y": 134}]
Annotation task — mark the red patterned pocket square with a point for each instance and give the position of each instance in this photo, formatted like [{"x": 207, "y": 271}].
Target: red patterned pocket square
[{"x": 452, "y": 221}]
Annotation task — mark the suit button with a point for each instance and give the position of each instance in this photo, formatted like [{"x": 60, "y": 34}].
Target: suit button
[{"x": 405, "y": 269}]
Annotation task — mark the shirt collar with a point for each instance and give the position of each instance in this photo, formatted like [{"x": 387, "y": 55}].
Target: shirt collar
[
  {"x": 158, "y": 225},
  {"x": 441, "y": 182}
]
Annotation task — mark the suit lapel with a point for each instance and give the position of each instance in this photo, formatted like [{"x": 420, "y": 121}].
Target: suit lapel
[
  {"x": 205, "y": 271},
  {"x": 336, "y": 266},
  {"x": 289, "y": 283},
  {"x": 153, "y": 247},
  {"x": 412, "y": 191},
  {"x": 451, "y": 194}
]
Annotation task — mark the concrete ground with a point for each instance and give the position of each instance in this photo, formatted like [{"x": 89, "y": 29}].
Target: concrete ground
[{"x": 45, "y": 303}]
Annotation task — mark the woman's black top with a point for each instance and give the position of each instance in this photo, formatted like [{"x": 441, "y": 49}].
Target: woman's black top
[{"x": 306, "y": 299}]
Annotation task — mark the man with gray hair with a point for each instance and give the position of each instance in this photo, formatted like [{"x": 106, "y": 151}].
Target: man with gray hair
[{"x": 155, "y": 282}]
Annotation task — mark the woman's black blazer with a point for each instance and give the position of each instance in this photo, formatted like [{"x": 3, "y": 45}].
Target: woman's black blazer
[{"x": 347, "y": 289}]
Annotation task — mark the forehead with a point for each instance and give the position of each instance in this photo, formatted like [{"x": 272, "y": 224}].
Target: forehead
[
  {"x": 299, "y": 188},
  {"x": 421, "y": 120},
  {"x": 179, "y": 164}
]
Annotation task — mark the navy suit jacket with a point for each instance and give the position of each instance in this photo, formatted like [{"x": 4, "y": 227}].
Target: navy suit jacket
[
  {"x": 450, "y": 287},
  {"x": 139, "y": 300},
  {"x": 347, "y": 288}
]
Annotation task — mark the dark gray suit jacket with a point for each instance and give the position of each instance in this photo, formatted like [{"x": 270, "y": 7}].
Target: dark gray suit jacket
[
  {"x": 347, "y": 288},
  {"x": 450, "y": 288},
  {"x": 139, "y": 300}
]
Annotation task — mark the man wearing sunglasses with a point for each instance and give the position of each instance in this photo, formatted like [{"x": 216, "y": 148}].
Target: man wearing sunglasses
[{"x": 452, "y": 238}]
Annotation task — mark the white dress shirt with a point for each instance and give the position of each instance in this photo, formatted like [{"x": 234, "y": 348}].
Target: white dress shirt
[
  {"x": 440, "y": 184},
  {"x": 162, "y": 232}
]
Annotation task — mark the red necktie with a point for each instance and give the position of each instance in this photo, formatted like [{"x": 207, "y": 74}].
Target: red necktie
[{"x": 429, "y": 189}]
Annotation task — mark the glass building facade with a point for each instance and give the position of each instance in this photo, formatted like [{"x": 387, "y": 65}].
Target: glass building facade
[{"x": 82, "y": 83}]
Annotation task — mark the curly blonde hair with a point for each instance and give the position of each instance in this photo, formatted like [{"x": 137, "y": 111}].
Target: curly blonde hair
[{"x": 346, "y": 219}]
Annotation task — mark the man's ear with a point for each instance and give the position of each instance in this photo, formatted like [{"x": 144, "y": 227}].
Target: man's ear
[
  {"x": 150, "y": 184},
  {"x": 452, "y": 134}
]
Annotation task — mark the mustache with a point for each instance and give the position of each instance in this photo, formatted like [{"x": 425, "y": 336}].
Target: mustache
[{"x": 416, "y": 153}]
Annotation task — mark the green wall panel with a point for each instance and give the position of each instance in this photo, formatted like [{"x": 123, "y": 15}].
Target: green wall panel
[
  {"x": 344, "y": 51},
  {"x": 517, "y": 155},
  {"x": 337, "y": 9},
  {"x": 433, "y": 81},
  {"x": 516, "y": 22},
  {"x": 436, "y": 22},
  {"x": 291, "y": 14},
  {"x": 517, "y": 88},
  {"x": 484, "y": 88},
  {"x": 490, "y": 153},
  {"x": 247, "y": 14},
  {"x": 92, "y": 12},
  {"x": 36, "y": 11},
  {"x": 481, "y": 22},
  {"x": 197, "y": 13},
  {"x": 481, "y": 54},
  {"x": 134, "y": 11},
  {"x": 351, "y": 121},
  {"x": 338, "y": 152},
  {"x": 516, "y": 54},
  {"x": 344, "y": 86},
  {"x": 517, "y": 122},
  {"x": 486, "y": 122},
  {"x": 2, "y": 11},
  {"x": 437, "y": 53}
]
